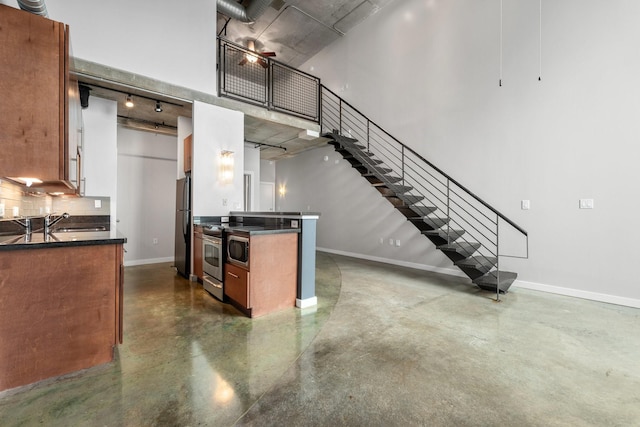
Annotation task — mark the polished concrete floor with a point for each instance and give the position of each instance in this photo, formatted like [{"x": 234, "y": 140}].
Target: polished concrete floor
[{"x": 386, "y": 346}]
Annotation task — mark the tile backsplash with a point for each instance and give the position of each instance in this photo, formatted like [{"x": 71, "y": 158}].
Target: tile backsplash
[{"x": 15, "y": 201}]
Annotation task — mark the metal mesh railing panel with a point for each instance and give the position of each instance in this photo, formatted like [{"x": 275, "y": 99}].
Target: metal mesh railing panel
[
  {"x": 294, "y": 92},
  {"x": 242, "y": 78}
]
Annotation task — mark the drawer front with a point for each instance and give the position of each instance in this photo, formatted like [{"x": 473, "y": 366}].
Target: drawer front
[{"x": 236, "y": 284}]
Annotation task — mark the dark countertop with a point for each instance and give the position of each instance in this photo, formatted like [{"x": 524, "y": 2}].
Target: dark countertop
[
  {"x": 37, "y": 240},
  {"x": 293, "y": 215},
  {"x": 259, "y": 229}
]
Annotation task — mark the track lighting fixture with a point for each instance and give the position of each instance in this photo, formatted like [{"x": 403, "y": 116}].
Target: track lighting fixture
[
  {"x": 158, "y": 107},
  {"x": 129, "y": 101}
]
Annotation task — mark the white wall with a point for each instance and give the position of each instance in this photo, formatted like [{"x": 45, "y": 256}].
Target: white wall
[
  {"x": 171, "y": 41},
  {"x": 267, "y": 171},
  {"x": 100, "y": 151},
  {"x": 146, "y": 195},
  {"x": 427, "y": 71},
  {"x": 252, "y": 167},
  {"x": 216, "y": 129}
]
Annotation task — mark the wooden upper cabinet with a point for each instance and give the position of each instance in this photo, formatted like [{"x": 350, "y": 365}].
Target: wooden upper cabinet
[
  {"x": 188, "y": 153},
  {"x": 34, "y": 83}
]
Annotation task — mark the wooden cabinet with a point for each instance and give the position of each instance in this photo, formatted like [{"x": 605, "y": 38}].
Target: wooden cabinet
[
  {"x": 236, "y": 285},
  {"x": 270, "y": 282},
  {"x": 35, "y": 88},
  {"x": 60, "y": 311},
  {"x": 197, "y": 252},
  {"x": 188, "y": 153}
]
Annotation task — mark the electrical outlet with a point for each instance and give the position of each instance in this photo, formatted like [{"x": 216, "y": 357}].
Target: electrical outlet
[
  {"x": 224, "y": 202},
  {"x": 382, "y": 240},
  {"x": 155, "y": 240},
  {"x": 525, "y": 205},
  {"x": 586, "y": 203},
  {"x": 398, "y": 242},
  {"x": 1, "y": 210},
  {"x": 97, "y": 204}
]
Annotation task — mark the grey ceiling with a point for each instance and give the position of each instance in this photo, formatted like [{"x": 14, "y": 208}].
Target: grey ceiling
[
  {"x": 294, "y": 29},
  {"x": 297, "y": 29}
]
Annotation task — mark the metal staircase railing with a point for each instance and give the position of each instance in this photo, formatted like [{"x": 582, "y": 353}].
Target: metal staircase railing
[
  {"x": 276, "y": 86},
  {"x": 457, "y": 207}
]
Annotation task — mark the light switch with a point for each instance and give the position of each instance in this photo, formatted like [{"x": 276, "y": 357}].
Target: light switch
[
  {"x": 398, "y": 242},
  {"x": 525, "y": 205},
  {"x": 391, "y": 242},
  {"x": 586, "y": 203}
]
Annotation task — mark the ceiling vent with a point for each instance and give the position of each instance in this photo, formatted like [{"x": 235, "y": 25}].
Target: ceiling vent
[
  {"x": 34, "y": 6},
  {"x": 235, "y": 10}
]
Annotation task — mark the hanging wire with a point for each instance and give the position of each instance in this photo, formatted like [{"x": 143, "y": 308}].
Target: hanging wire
[
  {"x": 540, "y": 42},
  {"x": 500, "y": 80}
]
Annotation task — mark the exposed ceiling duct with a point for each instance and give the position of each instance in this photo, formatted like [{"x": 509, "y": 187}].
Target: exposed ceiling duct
[
  {"x": 235, "y": 10},
  {"x": 34, "y": 6}
]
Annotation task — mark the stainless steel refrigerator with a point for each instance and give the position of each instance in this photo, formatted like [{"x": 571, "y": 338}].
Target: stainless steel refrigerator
[{"x": 183, "y": 226}]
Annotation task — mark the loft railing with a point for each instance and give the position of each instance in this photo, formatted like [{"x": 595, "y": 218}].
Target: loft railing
[
  {"x": 458, "y": 206},
  {"x": 250, "y": 77}
]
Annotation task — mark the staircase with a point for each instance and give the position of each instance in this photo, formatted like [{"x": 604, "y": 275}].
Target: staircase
[{"x": 464, "y": 227}]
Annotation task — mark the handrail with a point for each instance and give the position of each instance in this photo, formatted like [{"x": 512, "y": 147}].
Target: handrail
[{"x": 485, "y": 204}]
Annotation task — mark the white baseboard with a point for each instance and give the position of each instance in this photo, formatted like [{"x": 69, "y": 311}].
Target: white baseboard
[
  {"x": 147, "y": 261},
  {"x": 577, "y": 293},
  {"x": 442, "y": 270},
  {"x": 307, "y": 302}
]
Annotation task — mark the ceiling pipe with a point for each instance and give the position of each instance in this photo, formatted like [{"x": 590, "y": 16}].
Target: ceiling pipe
[
  {"x": 235, "y": 10},
  {"x": 34, "y": 6}
]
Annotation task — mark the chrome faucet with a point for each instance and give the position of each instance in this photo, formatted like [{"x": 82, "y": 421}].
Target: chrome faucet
[
  {"x": 48, "y": 222},
  {"x": 25, "y": 223}
]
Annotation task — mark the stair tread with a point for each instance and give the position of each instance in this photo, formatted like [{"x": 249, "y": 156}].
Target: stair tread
[
  {"x": 443, "y": 233},
  {"x": 460, "y": 246},
  {"x": 477, "y": 262},
  {"x": 492, "y": 275},
  {"x": 406, "y": 198},
  {"x": 427, "y": 218},
  {"x": 376, "y": 170},
  {"x": 396, "y": 188}
]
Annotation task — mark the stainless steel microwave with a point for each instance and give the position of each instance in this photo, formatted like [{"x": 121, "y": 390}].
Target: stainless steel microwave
[{"x": 238, "y": 250}]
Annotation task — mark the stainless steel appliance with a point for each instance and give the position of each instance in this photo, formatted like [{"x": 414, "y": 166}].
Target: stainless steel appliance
[
  {"x": 183, "y": 226},
  {"x": 212, "y": 262},
  {"x": 238, "y": 250}
]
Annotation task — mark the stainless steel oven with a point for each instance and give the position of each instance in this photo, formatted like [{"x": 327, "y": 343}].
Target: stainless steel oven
[{"x": 212, "y": 264}]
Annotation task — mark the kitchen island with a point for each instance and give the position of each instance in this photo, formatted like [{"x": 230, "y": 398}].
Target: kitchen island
[
  {"x": 305, "y": 223},
  {"x": 264, "y": 278},
  {"x": 60, "y": 304}
]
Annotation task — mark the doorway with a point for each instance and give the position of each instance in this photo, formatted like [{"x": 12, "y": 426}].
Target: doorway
[{"x": 267, "y": 196}]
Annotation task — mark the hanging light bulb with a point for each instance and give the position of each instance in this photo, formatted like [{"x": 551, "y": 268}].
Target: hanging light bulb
[
  {"x": 129, "y": 101},
  {"x": 158, "y": 107}
]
